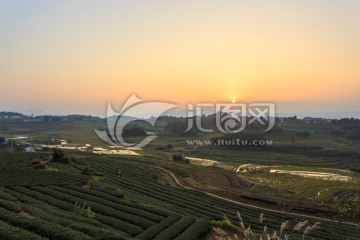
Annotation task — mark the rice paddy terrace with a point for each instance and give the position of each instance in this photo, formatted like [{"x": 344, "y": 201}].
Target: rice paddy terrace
[{"x": 127, "y": 202}]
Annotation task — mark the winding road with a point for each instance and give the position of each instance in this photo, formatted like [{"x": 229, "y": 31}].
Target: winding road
[{"x": 256, "y": 207}]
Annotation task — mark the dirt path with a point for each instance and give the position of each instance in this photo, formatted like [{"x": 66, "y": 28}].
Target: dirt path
[
  {"x": 166, "y": 179},
  {"x": 256, "y": 207},
  {"x": 348, "y": 142}
]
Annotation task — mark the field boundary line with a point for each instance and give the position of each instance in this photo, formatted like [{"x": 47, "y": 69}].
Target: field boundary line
[{"x": 253, "y": 206}]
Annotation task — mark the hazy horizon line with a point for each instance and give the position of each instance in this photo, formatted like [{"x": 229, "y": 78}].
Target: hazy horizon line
[{"x": 182, "y": 113}]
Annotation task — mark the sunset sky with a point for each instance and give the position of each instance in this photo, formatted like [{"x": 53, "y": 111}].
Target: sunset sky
[{"x": 76, "y": 56}]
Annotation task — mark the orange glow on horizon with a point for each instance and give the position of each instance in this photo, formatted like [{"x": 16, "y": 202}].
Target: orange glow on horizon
[{"x": 206, "y": 51}]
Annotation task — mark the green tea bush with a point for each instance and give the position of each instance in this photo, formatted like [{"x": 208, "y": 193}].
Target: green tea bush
[
  {"x": 84, "y": 210},
  {"x": 153, "y": 231},
  {"x": 176, "y": 229},
  {"x": 11, "y": 232},
  {"x": 199, "y": 230}
]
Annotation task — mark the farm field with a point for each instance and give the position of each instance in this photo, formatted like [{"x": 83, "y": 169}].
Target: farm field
[
  {"x": 127, "y": 202},
  {"x": 34, "y": 209},
  {"x": 133, "y": 197},
  {"x": 313, "y": 188}
]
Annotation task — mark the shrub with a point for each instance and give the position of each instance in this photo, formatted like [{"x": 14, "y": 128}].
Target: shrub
[
  {"x": 180, "y": 158},
  {"x": 226, "y": 225},
  {"x": 88, "y": 171},
  {"x": 84, "y": 210},
  {"x": 58, "y": 155},
  {"x": 41, "y": 165},
  {"x": 177, "y": 157},
  {"x": 351, "y": 208},
  {"x": 36, "y": 161}
]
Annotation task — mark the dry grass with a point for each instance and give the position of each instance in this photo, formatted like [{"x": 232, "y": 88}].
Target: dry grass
[{"x": 303, "y": 228}]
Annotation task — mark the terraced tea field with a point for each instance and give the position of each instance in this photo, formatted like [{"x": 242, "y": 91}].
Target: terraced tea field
[
  {"x": 127, "y": 201},
  {"x": 40, "y": 205}
]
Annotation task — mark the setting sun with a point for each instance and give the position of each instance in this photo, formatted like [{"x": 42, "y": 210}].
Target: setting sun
[{"x": 294, "y": 53}]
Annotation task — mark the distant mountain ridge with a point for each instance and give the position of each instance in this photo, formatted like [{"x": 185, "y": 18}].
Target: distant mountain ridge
[
  {"x": 28, "y": 112},
  {"x": 183, "y": 113},
  {"x": 331, "y": 115}
]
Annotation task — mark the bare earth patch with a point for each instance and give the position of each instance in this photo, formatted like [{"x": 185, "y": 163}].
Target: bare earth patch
[
  {"x": 165, "y": 179},
  {"x": 202, "y": 162},
  {"x": 25, "y": 214},
  {"x": 318, "y": 175},
  {"x": 116, "y": 152}
]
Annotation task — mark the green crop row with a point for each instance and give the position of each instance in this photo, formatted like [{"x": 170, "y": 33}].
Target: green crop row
[
  {"x": 214, "y": 206},
  {"x": 65, "y": 167},
  {"x": 8, "y": 232},
  {"x": 120, "y": 207},
  {"x": 251, "y": 215},
  {"x": 25, "y": 194},
  {"x": 127, "y": 167},
  {"x": 117, "y": 198},
  {"x": 199, "y": 230},
  {"x": 176, "y": 229},
  {"x": 134, "y": 224},
  {"x": 90, "y": 230},
  {"x": 41, "y": 227},
  {"x": 127, "y": 171},
  {"x": 6, "y": 196},
  {"x": 9, "y": 205},
  {"x": 167, "y": 197},
  {"x": 178, "y": 172},
  {"x": 153, "y": 231},
  {"x": 26, "y": 177}
]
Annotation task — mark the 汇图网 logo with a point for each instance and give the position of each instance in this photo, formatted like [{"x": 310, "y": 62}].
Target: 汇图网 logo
[{"x": 229, "y": 118}]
